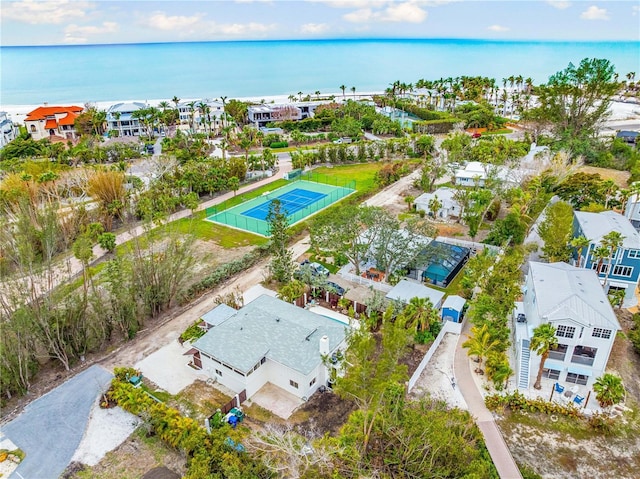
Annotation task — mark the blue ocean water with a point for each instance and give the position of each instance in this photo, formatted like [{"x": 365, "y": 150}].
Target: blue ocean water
[{"x": 79, "y": 74}]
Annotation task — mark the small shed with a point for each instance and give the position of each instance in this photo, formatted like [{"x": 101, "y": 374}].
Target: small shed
[
  {"x": 217, "y": 315},
  {"x": 452, "y": 308},
  {"x": 628, "y": 136},
  {"x": 405, "y": 290}
]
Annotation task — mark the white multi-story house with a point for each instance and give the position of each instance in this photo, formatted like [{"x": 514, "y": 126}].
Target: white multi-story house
[
  {"x": 263, "y": 114},
  {"x": 120, "y": 118},
  {"x": 8, "y": 130},
  {"x": 204, "y": 114},
  {"x": 52, "y": 121},
  {"x": 270, "y": 340},
  {"x": 573, "y": 301}
]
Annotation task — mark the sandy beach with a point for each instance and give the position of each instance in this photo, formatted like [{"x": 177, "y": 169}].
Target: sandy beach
[{"x": 622, "y": 113}]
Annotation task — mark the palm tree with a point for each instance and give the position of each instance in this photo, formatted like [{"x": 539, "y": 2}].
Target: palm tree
[
  {"x": 409, "y": 199},
  {"x": 420, "y": 314},
  {"x": 353, "y": 90},
  {"x": 192, "y": 111},
  {"x": 579, "y": 243},
  {"x": 117, "y": 116},
  {"x": 317, "y": 94},
  {"x": 480, "y": 344},
  {"x": 175, "y": 100},
  {"x": 609, "y": 390},
  {"x": 612, "y": 241},
  {"x": 544, "y": 338},
  {"x": 343, "y": 88},
  {"x": 600, "y": 253}
]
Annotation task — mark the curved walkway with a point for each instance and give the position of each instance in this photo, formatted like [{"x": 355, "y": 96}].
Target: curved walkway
[{"x": 500, "y": 454}]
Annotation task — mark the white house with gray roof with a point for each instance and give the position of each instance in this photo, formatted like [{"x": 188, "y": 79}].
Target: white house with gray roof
[
  {"x": 572, "y": 299},
  {"x": 270, "y": 340}
]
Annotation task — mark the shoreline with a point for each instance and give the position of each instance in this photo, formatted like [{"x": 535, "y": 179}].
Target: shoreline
[{"x": 621, "y": 112}]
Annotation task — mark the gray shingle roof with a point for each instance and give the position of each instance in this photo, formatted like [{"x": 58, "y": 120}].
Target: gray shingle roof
[
  {"x": 596, "y": 225},
  {"x": 563, "y": 291},
  {"x": 218, "y": 315},
  {"x": 271, "y": 328}
]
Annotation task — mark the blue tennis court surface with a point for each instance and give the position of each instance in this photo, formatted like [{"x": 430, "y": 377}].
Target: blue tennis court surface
[{"x": 292, "y": 201}]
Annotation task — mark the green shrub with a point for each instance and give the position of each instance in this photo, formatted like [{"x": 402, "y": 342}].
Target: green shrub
[
  {"x": 194, "y": 331},
  {"x": 279, "y": 144}
]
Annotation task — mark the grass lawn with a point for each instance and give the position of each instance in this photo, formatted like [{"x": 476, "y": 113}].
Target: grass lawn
[
  {"x": 363, "y": 173},
  {"x": 207, "y": 231},
  {"x": 503, "y": 131}
]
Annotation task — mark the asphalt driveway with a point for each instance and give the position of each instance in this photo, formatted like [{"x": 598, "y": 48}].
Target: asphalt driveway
[{"x": 50, "y": 429}]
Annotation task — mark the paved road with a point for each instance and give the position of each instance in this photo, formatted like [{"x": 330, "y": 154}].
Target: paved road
[
  {"x": 498, "y": 450},
  {"x": 50, "y": 429}
]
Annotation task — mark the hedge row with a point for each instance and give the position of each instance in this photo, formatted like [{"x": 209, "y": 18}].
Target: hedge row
[
  {"x": 434, "y": 127},
  {"x": 518, "y": 402}
]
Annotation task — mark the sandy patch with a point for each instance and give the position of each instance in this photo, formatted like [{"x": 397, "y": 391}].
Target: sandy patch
[
  {"x": 436, "y": 378},
  {"x": 107, "y": 429}
]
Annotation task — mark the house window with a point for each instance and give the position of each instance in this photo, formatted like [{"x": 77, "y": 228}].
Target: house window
[
  {"x": 577, "y": 379},
  {"x": 558, "y": 353},
  {"x": 293, "y": 383},
  {"x": 604, "y": 268},
  {"x": 263, "y": 360},
  {"x": 625, "y": 271},
  {"x": 565, "y": 331},
  {"x": 33, "y": 128},
  {"x": 601, "y": 333},
  {"x": 633, "y": 253},
  {"x": 313, "y": 381},
  {"x": 551, "y": 373},
  {"x": 218, "y": 372}
]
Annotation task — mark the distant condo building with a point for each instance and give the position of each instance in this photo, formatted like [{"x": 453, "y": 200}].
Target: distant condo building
[
  {"x": 9, "y": 130},
  {"x": 53, "y": 122}
]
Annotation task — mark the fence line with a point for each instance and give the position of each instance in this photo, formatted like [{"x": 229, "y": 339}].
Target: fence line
[
  {"x": 385, "y": 288},
  {"x": 447, "y": 327},
  {"x": 468, "y": 244}
]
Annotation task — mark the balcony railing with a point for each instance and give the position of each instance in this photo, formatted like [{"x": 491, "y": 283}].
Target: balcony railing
[
  {"x": 558, "y": 355},
  {"x": 582, "y": 359}
]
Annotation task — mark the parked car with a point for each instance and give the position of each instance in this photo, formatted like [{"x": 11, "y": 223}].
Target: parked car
[
  {"x": 319, "y": 269},
  {"x": 334, "y": 288},
  {"x": 316, "y": 269},
  {"x": 476, "y": 135},
  {"x": 521, "y": 318}
]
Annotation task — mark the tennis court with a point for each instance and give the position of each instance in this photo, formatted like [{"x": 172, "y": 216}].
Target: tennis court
[
  {"x": 300, "y": 199},
  {"x": 292, "y": 201}
]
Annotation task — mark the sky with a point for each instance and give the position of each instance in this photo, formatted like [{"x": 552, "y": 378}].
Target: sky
[{"x": 67, "y": 22}]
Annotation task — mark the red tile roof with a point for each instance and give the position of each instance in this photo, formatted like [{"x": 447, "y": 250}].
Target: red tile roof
[
  {"x": 50, "y": 124},
  {"x": 42, "y": 112}
]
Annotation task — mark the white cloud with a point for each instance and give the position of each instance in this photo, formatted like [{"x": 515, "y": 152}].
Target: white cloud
[
  {"x": 314, "y": 28},
  {"x": 44, "y": 12},
  {"x": 559, "y": 4},
  {"x": 358, "y": 4},
  {"x": 396, "y": 12},
  {"x": 634, "y": 10},
  {"x": 162, "y": 21},
  {"x": 594, "y": 13},
  {"x": 74, "y": 30},
  {"x": 196, "y": 26},
  {"x": 498, "y": 28}
]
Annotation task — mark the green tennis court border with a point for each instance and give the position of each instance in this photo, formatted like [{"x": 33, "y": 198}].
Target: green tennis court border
[{"x": 232, "y": 216}]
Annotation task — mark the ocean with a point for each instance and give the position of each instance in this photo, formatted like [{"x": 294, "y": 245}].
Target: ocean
[{"x": 92, "y": 73}]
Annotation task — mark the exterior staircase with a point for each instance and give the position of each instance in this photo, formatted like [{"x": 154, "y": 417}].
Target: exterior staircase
[{"x": 523, "y": 375}]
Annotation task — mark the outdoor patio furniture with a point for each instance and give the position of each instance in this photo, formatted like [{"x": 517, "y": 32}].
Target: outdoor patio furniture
[
  {"x": 578, "y": 399},
  {"x": 559, "y": 388}
]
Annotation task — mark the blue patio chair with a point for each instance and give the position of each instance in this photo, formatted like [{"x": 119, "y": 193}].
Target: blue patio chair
[
  {"x": 559, "y": 388},
  {"x": 578, "y": 400}
]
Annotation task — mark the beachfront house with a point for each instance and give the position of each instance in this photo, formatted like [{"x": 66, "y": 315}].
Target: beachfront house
[
  {"x": 624, "y": 271},
  {"x": 573, "y": 301},
  {"x": 270, "y": 340},
  {"x": 8, "y": 130},
  {"x": 120, "y": 118},
  {"x": 262, "y": 114},
  {"x": 53, "y": 122},
  {"x": 476, "y": 173},
  {"x": 445, "y": 198},
  {"x": 632, "y": 210},
  {"x": 203, "y": 115}
]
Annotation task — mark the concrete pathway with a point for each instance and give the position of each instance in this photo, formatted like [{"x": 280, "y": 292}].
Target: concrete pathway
[
  {"x": 500, "y": 454},
  {"x": 50, "y": 429}
]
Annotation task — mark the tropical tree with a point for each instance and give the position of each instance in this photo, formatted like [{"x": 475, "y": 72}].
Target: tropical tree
[
  {"x": 353, "y": 90},
  {"x": 580, "y": 243},
  {"x": 409, "y": 199},
  {"x": 419, "y": 314},
  {"x": 555, "y": 230},
  {"x": 611, "y": 241},
  {"x": 343, "y": 88},
  {"x": 434, "y": 206},
  {"x": 609, "y": 389},
  {"x": 281, "y": 265},
  {"x": 544, "y": 338},
  {"x": 480, "y": 344}
]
